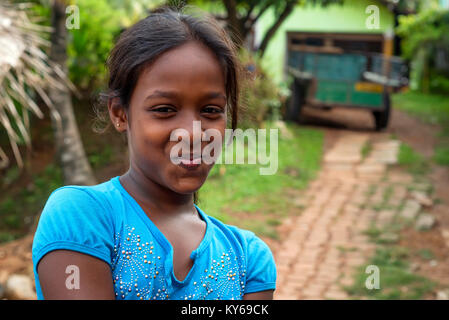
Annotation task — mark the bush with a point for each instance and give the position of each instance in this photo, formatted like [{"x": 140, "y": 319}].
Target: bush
[
  {"x": 425, "y": 42},
  {"x": 261, "y": 98},
  {"x": 89, "y": 46}
]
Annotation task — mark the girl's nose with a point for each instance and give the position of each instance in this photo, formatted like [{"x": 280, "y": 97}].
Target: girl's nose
[{"x": 190, "y": 131}]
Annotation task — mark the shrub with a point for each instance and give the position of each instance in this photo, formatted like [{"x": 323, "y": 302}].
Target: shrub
[{"x": 261, "y": 98}]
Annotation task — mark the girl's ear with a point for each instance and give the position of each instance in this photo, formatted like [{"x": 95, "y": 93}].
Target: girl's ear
[{"x": 117, "y": 114}]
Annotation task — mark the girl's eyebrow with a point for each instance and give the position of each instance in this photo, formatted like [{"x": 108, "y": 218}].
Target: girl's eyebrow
[
  {"x": 172, "y": 94},
  {"x": 163, "y": 94}
]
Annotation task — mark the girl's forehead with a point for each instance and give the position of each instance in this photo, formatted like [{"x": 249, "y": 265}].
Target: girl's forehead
[
  {"x": 191, "y": 55},
  {"x": 192, "y": 63}
]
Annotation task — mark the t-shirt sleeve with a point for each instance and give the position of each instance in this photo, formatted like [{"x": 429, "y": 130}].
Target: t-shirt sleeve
[
  {"x": 74, "y": 219},
  {"x": 261, "y": 268}
]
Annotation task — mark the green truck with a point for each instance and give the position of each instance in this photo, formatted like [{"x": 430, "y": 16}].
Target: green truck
[{"x": 332, "y": 70}]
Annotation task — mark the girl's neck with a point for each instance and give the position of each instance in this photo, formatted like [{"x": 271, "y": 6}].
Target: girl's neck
[{"x": 154, "y": 196}]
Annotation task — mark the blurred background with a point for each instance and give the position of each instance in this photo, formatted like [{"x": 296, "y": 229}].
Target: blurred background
[{"x": 358, "y": 89}]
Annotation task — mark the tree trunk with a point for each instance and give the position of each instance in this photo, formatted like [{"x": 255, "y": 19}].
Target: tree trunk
[
  {"x": 235, "y": 26},
  {"x": 69, "y": 147},
  {"x": 271, "y": 32}
]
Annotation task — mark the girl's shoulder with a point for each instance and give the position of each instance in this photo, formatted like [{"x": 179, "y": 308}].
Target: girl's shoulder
[
  {"x": 259, "y": 261},
  {"x": 247, "y": 239},
  {"x": 98, "y": 195},
  {"x": 77, "y": 209}
]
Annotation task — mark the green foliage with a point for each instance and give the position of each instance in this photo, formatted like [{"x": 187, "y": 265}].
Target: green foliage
[
  {"x": 423, "y": 36},
  {"x": 396, "y": 280},
  {"x": 10, "y": 176},
  {"x": 426, "y": 28},
  {"x": 431, "y": 108},
  {"x": 101, "y": 21},
  {"x": 261, "y": 99},
  {"x": 89, "y": 46},
  {"x": 442, "y": 154},
  {"x": 426, "y": 254},
  {"x": 101, "y": 158},
  {"x": 18, "y": 209},
  {"x": 413, "y": 161},
  {"x": 439, "y": 84}
]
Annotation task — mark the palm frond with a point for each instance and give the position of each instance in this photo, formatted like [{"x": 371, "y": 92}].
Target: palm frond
[{"x": 25, "y": 73}]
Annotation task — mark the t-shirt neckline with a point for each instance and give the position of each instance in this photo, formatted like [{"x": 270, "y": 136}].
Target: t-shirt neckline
[{"x": 160, "y": 237}]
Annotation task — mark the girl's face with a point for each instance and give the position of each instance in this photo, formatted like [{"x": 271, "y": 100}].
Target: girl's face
[{"x": 182, "y": 85}]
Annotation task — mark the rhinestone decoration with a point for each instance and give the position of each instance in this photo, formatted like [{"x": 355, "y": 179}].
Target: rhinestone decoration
[{"x": 139, "y": 273}]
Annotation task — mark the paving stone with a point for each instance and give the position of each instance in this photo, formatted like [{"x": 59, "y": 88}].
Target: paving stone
[
  {"x": 337, "y": 295},
  {"x": 410, "y": 210},
  {"x": 388, "y": 237},
  {"x": 371, "y": 168},
  {"x": 422, "y": 198},
  {"x": 385, "y": 217},
  {"x": 425, "y": 222}
]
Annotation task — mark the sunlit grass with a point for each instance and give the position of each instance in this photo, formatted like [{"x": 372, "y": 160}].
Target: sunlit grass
[
  {"x": 396, "y": 281},
  {"x": 432, "y": 109},
  {"x": 411, "y": 160},
  {"x": 242, "y": 189}
]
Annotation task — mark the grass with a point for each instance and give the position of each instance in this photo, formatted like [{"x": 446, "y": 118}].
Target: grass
[
  {"x": 242, "y": 192},
  {"x": 366, "y": 149},
  {"x": 415, "y": 163},
  {"x": 430, "y": 108},
  {"x": 397, "y": 282},
  {"x": 17, "y": 211},
  {"x": 101, "y": 158},
  {"x": 426, "y": 254}
]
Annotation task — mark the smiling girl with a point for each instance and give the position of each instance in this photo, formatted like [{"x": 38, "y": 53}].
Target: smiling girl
[{"x": 141, "y": 235}]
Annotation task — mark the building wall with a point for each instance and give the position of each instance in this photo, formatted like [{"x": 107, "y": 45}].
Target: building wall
[{"x": 350, "y": 17}]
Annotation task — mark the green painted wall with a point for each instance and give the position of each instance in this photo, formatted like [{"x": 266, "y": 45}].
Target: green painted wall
[{"x": 350, "y": 17}]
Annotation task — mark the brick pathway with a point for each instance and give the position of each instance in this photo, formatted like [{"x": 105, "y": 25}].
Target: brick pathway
[{"x": 358, "y": 188}]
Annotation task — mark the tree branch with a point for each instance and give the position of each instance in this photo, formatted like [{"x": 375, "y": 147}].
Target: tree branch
[
  {"x": 234, "y": 23},
  {"x": 259, "y": 14},
  {"x": 270, "y": 33}
]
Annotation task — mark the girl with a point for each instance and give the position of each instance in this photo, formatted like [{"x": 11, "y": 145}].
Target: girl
[{"x": 141, "y": 235}]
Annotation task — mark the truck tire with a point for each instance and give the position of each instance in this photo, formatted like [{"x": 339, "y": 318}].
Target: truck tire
[
  {"x": 297, "y": 101},
  {"x": 381, "y": 118}
]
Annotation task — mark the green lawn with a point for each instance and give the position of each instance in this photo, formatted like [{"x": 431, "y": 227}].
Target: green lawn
[
  {"x": 432, "y": 109},
  {"x": 396, "y": 281},
  {"x": 412, "y": 161},
  {"x": 258, "y": 202}
]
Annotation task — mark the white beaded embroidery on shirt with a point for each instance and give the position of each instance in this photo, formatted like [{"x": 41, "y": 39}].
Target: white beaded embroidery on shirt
[{"x": 138, "y": 273}]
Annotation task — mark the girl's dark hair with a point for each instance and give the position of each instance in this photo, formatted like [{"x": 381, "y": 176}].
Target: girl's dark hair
[{"x": 164, "y": 29}]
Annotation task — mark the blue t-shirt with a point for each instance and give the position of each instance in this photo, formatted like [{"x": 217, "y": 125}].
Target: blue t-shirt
[{"x": 104, "y": 221}]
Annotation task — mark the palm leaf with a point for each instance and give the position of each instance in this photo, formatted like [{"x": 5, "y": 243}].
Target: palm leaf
[{"x": 24, "y": 68}]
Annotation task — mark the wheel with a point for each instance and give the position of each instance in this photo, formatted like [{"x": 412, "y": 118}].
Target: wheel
[
  {"x": 297, "y": 100},
  {"x": 381, "y": 118}
]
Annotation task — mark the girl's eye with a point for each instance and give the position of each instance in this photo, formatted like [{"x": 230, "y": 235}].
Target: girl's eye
[
  {"x": 212, "y": 109},
  {"x": 163, "y": 109}
]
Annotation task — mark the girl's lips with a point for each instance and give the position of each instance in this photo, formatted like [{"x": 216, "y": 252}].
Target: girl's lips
[{"x": 190, "y": 164}]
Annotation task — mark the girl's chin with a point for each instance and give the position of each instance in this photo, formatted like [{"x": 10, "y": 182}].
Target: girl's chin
[{"x": 188, "y": 185}]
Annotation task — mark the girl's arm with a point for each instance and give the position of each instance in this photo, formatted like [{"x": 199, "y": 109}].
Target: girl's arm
[
  {"x": 262, "y": 295},
  {"x": 61, "y": 271}
]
